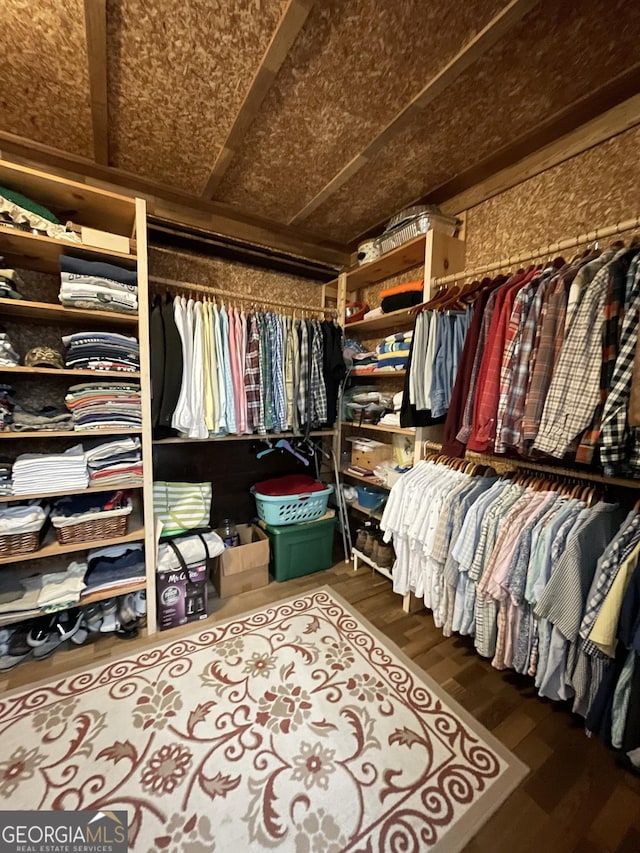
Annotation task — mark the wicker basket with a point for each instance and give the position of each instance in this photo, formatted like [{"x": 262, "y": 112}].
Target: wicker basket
[
  {"x": 96, "y": 528},
  {"x": 14, "y": 544}
]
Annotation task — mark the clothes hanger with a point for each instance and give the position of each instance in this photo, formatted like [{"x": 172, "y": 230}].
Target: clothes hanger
[{"x": 283, "y": 444}]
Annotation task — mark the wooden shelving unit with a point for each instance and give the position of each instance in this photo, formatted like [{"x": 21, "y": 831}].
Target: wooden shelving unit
[
  {"x": 380, "y": 428},
  {"x": 41, "y": 253},
  {"x": 364, "y": 511},
  {"x": 379, "y": 374},
  {"x": 394, "y": 320},
  {"x": 69, "y": 433},
  {"x": 246, "y": 437},
  {"x": 32, "y": 496},
  {"x": 52, "y": 548},
  {"x": 90, "y": 598},
  {"x": 359, "y": 556},
  {"x": 20, "y": 370},
  {"x": 94, "y": 207},
  {"x": 405, "y": 257},
  {"x": 370, "y": 481},
  {"x": 44, "y": 312}
]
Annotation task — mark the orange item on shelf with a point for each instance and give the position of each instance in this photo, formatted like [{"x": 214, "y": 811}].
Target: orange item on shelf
[{"x": 407, "y": 287}]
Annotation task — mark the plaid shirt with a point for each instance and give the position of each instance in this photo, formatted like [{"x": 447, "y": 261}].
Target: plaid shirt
[
  {"x": 488, "y": 393},
  {"x": 615, "y": 432},
  {"x": 252, "y": 374},
  {"x": 316, "y": 385},
  {"x": 574, "y": 391},
  {"x": 611, "y": 329},
  {"x": 304, "y": 373},
  {"x": 467, "y": 417},
  {"x": 515, "y": 365}
]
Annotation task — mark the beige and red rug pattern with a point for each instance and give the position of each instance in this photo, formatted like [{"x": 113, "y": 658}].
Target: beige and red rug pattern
[{"x": 295, "y": 728}]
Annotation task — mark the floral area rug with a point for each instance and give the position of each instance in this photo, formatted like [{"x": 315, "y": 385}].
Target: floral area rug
[{"x": 295, "y": 728}]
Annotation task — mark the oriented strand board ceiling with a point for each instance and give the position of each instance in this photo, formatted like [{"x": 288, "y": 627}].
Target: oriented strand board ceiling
[
  {"x": 44, "y": 94},
  {"x": 326, "y": 116}
]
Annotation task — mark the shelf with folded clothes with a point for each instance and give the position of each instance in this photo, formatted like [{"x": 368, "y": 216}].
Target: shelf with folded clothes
[
  {"x": 52, "y": 548},
  {"x": 89, "y": 598},
  {"x": 358, "y": 555},
  {"x": 381, "y": 428},
  {"x": 244, "y": 437},
  {"x": 394, "y": 320},
  {"x": 395, "y": 262},
  {"x": 377, "y": 374},
  {"x": 32, "y": 496},
  {"x": 70, "y": 433},
  {"x": 41, "y": 253},
  {"x": 49, "y": 312},
  {"x": 55, "y": 371}
]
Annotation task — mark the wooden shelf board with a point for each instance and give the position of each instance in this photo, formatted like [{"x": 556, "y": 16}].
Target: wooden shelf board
[
  {"x": 393, "y": 320},
  {"x": 254, "y": 435},
  {"x": 365, "y": 511},
  {"x": 370, "y": 481},
  {"x": 59, "y": 494},
  {"x": 82, "y": 203},
  {"x": 91, "y": 598},
  {"x": 69, "y": 433},
  {"x": 380, "y": 374},
  {"x": 397, "y": 261},
  {"x": 25, "y": 250},
  {"x": 43, "y": 312},
  {"x": 54, "y": 371},
  {"x": 53, "y": 548},
  {"x": 363, "y": 557},
  {"x": 382, "y": 428}
]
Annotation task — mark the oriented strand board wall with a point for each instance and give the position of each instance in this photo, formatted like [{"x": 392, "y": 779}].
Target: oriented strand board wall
[
  {"x": 259, "y": 284},
  {"x": 593, "y": 189}
]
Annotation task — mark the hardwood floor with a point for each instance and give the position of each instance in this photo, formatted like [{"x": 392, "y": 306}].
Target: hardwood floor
[{"x": 575, "y": 799}]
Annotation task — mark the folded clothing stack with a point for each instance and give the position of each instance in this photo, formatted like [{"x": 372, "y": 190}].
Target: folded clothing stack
[
  {"x": 59, "y": 472},
  {"x": 116, "y": 463},
  {"x": 62, "y": 589},
  {"x": 22, "y": 519},
  {"x": 101, "y": 351},
  {"x": 5, "y": 478},
  {"x": 8, "y": 356},
  {"x": 27, "y": 215},
  {"x": 104, "y": 405},
  {"x": 114, "y": 566},
  {"x": 47, "y": 418},
  {"x": 75, "y": 509},
  {"x": 393, "y": 418},
  {"x": 6, "y": 406},
  {"x": 393, "y": 351},
  {"x": 402, "y": 296},
  {"x": 364, "y": 362},
  {"x": 10, "y": 281},
  {"x": 91, "y": 284}
]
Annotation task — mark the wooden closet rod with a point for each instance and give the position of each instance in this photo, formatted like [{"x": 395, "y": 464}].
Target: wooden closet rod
[
  {"x": 543, "y": 251},
  {"x": 230, "y": 294}
]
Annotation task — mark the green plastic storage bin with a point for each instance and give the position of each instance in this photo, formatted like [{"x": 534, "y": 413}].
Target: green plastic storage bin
[{"x": 300, "y": 549}]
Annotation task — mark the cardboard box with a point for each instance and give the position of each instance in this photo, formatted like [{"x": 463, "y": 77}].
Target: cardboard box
[
  {"x": 244, "y": 567},
  {"x": 366, "y": 453},
  {"x": 182, "y": 595}
]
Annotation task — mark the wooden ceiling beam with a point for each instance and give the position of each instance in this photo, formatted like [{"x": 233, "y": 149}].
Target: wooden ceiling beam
[
  {"x": 95, "y": 22},
  {"x": 608, "y": 111},
  {"x": 496, "y": 29},
  {"x": 175, "y": 205},
  {"x": 291, "y": 22}
]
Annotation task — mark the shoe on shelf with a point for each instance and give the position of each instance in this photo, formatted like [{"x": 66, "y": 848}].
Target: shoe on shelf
[
  {"x": 63, "y": 627},
  {"x": 110, "y": 622},
  {"x": 18, "y": 649},
  {"x": 141, "y": 603},
  {"x": 385, "y": 555},
  {"x": 361, "y": 540}
]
